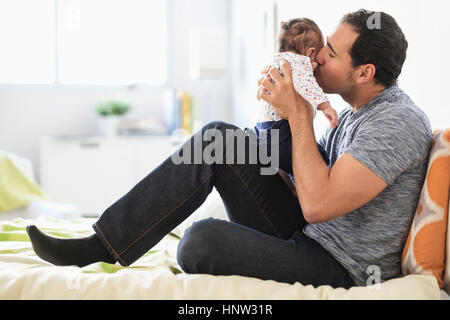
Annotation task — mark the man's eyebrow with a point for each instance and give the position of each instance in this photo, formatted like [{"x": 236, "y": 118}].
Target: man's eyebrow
[{"x": 331, "y": 47}]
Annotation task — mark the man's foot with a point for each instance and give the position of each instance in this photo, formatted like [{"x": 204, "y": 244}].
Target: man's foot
[{"x": 67, "y": 252}]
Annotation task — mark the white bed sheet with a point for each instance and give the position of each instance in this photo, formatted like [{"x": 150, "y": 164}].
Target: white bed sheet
[{"x": 157, "y": 275}]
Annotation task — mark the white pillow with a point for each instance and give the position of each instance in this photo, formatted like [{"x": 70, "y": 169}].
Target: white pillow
[
  {"x": 39, "y": 208},
  {"x": 213, "y": 207},
  {"x": 24, "y": 164}
]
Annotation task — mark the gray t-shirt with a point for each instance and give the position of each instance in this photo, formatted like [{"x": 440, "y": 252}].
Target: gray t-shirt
[{"x": 392, "y": 137}]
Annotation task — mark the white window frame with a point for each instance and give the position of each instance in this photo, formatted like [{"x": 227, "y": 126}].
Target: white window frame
[{"x": 58, "y": 83}]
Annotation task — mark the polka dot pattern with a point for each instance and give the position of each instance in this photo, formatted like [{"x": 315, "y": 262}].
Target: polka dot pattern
[{"x": 304, "y": 83}]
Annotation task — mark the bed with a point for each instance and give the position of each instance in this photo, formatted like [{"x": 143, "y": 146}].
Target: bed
[{"x": 156, "y": 275}]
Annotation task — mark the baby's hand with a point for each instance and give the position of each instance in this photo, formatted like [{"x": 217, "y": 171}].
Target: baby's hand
[{"x": 330, "y": 113}]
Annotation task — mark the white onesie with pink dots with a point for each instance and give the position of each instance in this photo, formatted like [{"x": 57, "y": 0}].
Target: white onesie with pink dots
[{"x": 304, "y": 83}]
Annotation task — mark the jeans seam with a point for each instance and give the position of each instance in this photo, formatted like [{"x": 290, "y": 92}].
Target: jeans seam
[
  {"x": 163, "y": 218},
  {"x": 109, "y": 245},
  {"x": 254, "y": 199}
]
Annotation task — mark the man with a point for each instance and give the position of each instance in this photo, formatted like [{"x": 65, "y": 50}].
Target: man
[
  {"x": 361, "y": 207},
  {"x": 350, "y": 219}
]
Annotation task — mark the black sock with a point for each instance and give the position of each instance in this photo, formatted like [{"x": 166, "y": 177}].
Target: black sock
[{"x": 67, "y": 252}]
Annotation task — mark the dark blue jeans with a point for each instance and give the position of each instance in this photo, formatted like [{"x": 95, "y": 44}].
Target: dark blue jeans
[
  {"x": 263, "y": 238},
  {"x": 285, "y": 142}
]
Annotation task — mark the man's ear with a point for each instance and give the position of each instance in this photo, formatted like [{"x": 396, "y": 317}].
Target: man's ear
[
  {"x": 310, "y": 52},
  {"x": 365, "y": 73}
]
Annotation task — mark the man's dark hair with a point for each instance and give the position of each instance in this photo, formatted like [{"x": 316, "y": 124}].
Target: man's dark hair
[{"x": 382, "y": 44}]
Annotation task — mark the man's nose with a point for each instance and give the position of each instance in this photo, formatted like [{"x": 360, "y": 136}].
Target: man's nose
[{"x": 319, "y": 58}]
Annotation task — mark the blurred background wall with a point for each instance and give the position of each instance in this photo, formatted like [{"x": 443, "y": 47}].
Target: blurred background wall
[{"x": 246, "y": 29}]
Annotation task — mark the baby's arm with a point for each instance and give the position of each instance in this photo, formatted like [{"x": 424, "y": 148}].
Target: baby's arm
[
  {"x": 329, "y": 113},
  {"x": 305, "y": 83}
]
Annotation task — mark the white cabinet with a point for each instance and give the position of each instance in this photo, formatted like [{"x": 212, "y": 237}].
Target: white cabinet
[{"x": 94, "y": 172}]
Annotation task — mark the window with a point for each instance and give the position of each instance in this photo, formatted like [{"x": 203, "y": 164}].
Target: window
[
  {"x": 111, "y": 42},
  {"x": 101, "y": 42},
  {"x": 27, "y": 33}
]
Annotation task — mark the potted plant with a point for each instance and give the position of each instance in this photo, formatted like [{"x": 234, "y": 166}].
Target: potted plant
[{"x": 111, "y": 112}]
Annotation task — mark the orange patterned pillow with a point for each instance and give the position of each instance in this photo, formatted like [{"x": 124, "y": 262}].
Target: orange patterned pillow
[{"x": 425, "y": 248}]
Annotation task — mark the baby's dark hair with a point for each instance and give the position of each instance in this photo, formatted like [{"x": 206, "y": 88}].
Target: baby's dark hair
[{"x": 298, "y": 35}]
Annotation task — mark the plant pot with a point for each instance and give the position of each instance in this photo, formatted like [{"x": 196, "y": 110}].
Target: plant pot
[{"x": 108, "y": 125}]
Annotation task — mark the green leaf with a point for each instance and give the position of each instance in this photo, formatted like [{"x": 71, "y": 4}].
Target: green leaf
[
  {"x": 14, "y": 236},
  {"x": 174, "y": 235},
  {"x": 175, "y": 270},
  {"x": 10, "y": 227},
  {"x": 150, "y": 252},
  {"x": 112, "y": 107},
  {"x": 15, "y": 251},
  {"x": 110, "y": 268}
]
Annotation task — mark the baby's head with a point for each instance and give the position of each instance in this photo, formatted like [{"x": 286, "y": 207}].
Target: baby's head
[{"x": 302, "y": 36}]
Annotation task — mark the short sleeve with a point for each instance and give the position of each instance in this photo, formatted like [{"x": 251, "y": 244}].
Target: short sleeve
[{"x": 391, "y": 142}]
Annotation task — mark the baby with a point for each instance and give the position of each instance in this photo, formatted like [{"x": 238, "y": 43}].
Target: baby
[{"x": 299, "y": 42}]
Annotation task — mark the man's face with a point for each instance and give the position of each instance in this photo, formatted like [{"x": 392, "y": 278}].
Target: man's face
[{"x": 335, "y": 71}]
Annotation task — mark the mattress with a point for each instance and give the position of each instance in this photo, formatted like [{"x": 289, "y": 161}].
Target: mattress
[{"x": 157, "y": 275}]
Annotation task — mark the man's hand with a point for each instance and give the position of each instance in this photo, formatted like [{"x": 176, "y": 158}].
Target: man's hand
[
  {"x": 264, "y": 73},
  {"x": 281, "y": 94}
]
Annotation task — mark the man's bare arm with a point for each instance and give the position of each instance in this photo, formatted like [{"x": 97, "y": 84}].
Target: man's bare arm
[{"x": 326, "y": 194}]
